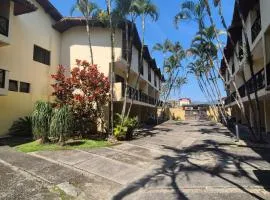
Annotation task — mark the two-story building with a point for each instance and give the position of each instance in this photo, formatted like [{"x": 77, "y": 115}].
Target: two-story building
[
  {"x": 35, "y": 38},
  {"x": 257, "y": 27}
]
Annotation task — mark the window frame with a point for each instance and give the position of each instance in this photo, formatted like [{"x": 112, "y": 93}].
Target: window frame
[
  {"x": 28, "y": 89},
  {"x": 17, "y": 85},
  {"x": 41, "y": 55}
]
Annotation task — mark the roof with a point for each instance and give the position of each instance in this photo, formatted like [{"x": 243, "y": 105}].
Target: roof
[
  {"x": 50, "y": 9},
  {"x": 68, "y": 22},
  {"x": 23, "y": 6}
]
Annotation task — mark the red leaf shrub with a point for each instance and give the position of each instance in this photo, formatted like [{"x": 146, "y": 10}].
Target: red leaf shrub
[{"x": 85, "y": 90}]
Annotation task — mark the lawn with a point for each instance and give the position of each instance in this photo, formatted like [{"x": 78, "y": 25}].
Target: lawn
[{"x": 79, "y": 144}]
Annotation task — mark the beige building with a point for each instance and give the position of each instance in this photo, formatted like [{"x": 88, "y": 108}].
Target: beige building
[
  {"x": 35, "y": 38},
  {"x": 257, "y": 22}
]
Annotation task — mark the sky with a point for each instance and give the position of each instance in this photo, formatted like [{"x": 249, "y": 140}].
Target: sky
[{"x": 157, "y": 32}]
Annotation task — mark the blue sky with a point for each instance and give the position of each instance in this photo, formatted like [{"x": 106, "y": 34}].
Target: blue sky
[{"x": 163, "y": 29}]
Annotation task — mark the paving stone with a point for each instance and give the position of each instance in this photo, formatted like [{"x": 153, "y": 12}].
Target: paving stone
[{"x": 111, "y": 169}]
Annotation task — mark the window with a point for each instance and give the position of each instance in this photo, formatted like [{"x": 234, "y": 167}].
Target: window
[
  {"x": 155, "y": 80},
  {"x": 24, "y": 87},
  {"x": 149, "y": 74},
  {"x": 2, "y": 78},
  {"x": 119, "y": 79},
  {"x": 42, "y": 55},
  {"x": 124, "y": 45},
  {"x": 233, "y": 68},
  {"x": 13, "y": 86}
]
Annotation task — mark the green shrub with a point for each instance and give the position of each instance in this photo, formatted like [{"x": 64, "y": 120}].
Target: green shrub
[
  {"x": 22, "y": 127},
  {"x": 124, "y": 127},
  {"x": 62, "y": 123},
  {"x": 41, "y": 119}
]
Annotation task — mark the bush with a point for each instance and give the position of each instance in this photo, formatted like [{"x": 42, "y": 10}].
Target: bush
[
  {"x": 62, "y": 123},
  {"x": 86, "y": 91},
  {"x": 22, "y": 127},
  {"x": 41, "y": 119},
  {"x": 124, "y": 127}
]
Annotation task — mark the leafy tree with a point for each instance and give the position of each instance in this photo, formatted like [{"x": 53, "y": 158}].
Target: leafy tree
[{"x": 86, "y": 92}]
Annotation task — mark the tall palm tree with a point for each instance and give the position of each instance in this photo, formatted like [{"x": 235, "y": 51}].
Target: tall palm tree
[
  {"x": 88, "y": 10},
  {"x": 217, "y": 3},
  {"x": 164, "y": 48},
  {"x": 191, "y": 11},
  {"x": 124, "y": 12},
  {"x": 204, "y": 48},
  {"x": 142, "y": 8}
]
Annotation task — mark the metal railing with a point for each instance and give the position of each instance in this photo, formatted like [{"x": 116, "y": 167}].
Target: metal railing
[
  {"x": 140, "y": 96},
  {"x": 4, "y": 26},
  {"x": 255, "y": 83},
  {"x": 256, "y": 28}
]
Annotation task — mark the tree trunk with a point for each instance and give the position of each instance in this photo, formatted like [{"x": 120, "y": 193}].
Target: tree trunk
[
  {"x": 89, "y": 40},
  {"x": 129, "y": 45},
  {"x": 239, "y": 102},
  {"x": 140, "y": 65},
  {"x": 112, "y": 63}
]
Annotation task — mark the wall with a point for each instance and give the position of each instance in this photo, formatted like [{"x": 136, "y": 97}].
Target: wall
[
  {"x": 75, "y": 46},
  {"x": 25, "y": 31}
]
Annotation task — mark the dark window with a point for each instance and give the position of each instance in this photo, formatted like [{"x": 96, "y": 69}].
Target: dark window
[
  {"x": 13, "y": 85},
  {"x": 42, "y": 55},
  {"x": 149, "y": 74},
  {"x": 233, "y": 69},
  {"x": 155, "y": 80},
  {"x": 24, "y": 87},
  {"x": 119, "y": 79},
  {"x": 2, "y": 78}
]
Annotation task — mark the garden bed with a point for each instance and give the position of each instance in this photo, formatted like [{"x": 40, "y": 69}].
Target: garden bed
[{"x": 72, "y": 144}]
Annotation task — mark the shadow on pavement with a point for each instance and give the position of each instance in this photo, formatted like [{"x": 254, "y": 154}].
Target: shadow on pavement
[{"x": 237, "y": 169}]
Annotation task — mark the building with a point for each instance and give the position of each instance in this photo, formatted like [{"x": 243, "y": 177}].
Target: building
[
  {"x": 257, "y": 23},
  {"x": 184, "y": 101},
  {"x": 35, "y": 38}
]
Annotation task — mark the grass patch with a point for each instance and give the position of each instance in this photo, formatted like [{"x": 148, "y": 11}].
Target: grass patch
[{"x": 78, "y": 144}]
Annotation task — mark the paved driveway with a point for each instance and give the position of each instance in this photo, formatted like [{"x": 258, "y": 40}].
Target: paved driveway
[{"x": 176, "y": 160}]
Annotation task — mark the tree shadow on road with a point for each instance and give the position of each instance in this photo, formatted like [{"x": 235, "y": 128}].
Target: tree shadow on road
[{"x": 234, "y": 169}]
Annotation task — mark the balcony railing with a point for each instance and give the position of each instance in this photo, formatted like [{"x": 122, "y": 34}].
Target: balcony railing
[
  {"x": 140, "y": 96},
  {"x": 4, "y": 26},
  {"x": 256, "y": 28},
  {"x": 254, "y": 84}
]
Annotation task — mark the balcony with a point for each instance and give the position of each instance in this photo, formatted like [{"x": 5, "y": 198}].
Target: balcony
[
  {"x": 254, "y": 84},
  {"x": 119, "y": 94},
  {"x": 256, "y": 28}
]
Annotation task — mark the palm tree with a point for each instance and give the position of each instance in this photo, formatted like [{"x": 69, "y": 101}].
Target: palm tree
[
  {"x": 204, "y": 48},
  {"x": 88, "y": 10},
  {"x": 164, "y": 48},
  {"x": 217, "y": 3},
  {"x": 191, "y": 11},
  {"x": 142, "y": 8},
  {"x": 123, "y": 12}
]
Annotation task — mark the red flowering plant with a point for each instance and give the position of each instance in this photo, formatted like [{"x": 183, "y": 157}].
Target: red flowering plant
[{"x": 85, "y": 90}]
